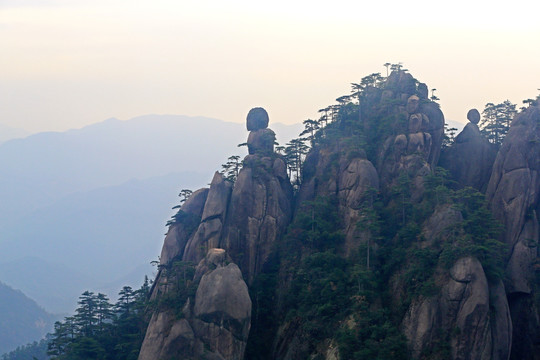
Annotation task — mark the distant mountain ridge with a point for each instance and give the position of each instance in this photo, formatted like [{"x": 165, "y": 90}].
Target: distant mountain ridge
[
  {"x": 21, "y": 319},
  {"x": 65, "y": 198},
  {"x": 9, "y": 133}
]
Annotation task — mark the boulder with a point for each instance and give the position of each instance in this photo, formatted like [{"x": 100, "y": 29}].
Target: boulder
[
  {"x": 222, "y": 309},
  {"x": 473, "y": 116},
  {"x": 215, "y": 324},
  {"x": 257, "y": 119},
  {"x": 470, "y": 158}
]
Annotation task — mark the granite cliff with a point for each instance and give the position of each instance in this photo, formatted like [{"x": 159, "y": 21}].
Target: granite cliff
[{"x": 385, "y": 248}]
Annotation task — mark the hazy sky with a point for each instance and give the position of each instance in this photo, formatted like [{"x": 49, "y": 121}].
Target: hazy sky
[{"x": 68, "y": 63}]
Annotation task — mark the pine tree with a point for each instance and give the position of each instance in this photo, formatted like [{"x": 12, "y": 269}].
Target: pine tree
[
  {"x": 496, "y": 119},
  {"x": 86, "y": 313}
]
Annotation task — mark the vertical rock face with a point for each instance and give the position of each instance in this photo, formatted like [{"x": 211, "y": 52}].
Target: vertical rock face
[
  {"x": 260, "y": 208},
  {"x": 468, "y": 314},
  {"x": 420, "y": 127},
  {"x": 208, "y": 233},
  {"x": 470, "y": 158},
  {"x": 178, "y": 235},
  {"x": 215, "y": 325},
  {"x": 462, "y": 313},
  {"x": 350, "y": 179},
  {"x": 513, "y": 194},
  {"x": 245, "y": 220}
]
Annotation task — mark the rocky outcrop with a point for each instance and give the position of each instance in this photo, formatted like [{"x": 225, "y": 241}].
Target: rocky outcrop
[
  {"x": 261, "y": 139},
  {"x": 215, "y": 324},
  {"x": 179, "y": 233},
  {"x": 461, "y": 315},
  {"x": 208, "y": 233},
  {"x": 415, "y": 149},
  {"x": 243, "y": 219},
  {"x": 470, "y": 158},
  {"x": 352, "y": 179},
  {"x": 438, "y": 228},
  {"x": 513, "y": 194},
  {"x": 358, "y": 184},
  {"x": 233, "y": 229},
  {"x": 261, "y": 210}
]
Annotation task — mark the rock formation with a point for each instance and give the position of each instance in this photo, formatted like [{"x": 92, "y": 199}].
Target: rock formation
[
  {"x": 353, "y": 180},
  {"x": 180, "y": 232},
  {"x": 243, "y": 219},
  {"x": 317, "y": 290},
  {"x": 261, "y": 201},
  {"x": 462, "y": 313},
  {"x": 208, "y": 233},
  {"x": 471, "y": 313},
  {"x": 214, "y": 326},
  {"x": 513, "y": 193},
  {"x": 470, "y": 158},
  {"x": 419, "y": 125}
]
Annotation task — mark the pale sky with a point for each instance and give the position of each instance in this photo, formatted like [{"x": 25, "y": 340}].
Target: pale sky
[{"x": 69, "y": 63}]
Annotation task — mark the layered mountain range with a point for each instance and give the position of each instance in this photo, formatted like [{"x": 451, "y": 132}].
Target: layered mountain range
[{"x": 385, "y": 245}]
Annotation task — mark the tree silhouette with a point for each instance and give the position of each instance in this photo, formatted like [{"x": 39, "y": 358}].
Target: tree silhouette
[
  {"x": 310, "y": 127},
  {"x": 295, "y": 151},
  {"x": 231, "y": 168},
  {"x": 496, "y": 119},
  {"x": 433, "y": 96},
  {"x": 86, "y": 313},
  {"x": 387, "y": 65}
]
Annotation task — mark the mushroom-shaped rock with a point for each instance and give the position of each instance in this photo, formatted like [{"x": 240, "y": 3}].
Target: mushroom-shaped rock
[
  {"x": 257, "y": 119},
  {"x": 473, "y": 116}
]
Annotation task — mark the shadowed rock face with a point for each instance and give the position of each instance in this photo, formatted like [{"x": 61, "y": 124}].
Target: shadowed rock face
[
  {"x": 464, "y": 304},
  {"x": 415, "y": 149},
  {"x": 208, "y": 233},
  {"x": 238, "y": 225},
  {"x": 470, "y": 158},
  {"x": 353, "y": 181},
  {"x": 178, "y": 235},
  {"x": 215, "y": 325},
  {"x": 260, "y": 211},
  {"x": 513, "y": 194},
  {"x": 260, "y": 208},
  {"x": 468, "y": 313},
  {"x": 243, "y": 219}
]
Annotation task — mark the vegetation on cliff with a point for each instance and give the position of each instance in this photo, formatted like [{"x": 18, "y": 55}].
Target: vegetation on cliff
[{"x": 372, "y": 251}]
